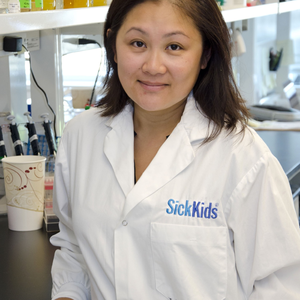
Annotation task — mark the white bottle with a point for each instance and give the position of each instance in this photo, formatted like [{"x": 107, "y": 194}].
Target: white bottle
[
  {"x": 3, "y": 7},
  {"x": 231, "y": 4},
  {"x": 13, "y": 6}
]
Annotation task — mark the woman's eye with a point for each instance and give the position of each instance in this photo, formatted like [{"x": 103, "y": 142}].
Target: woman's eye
[
  {"x": 138, "y": 44},
  {"x": 174, "y": 47}
]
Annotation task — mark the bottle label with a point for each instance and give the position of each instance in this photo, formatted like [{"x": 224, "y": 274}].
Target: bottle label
[
  {"x": 18, "y": 142},
  {"x": 14, "y": 7},
  {"x": 39, "y": 3},
  {"x": 239, "y": 2},
  {"x": 25, "y": 4},
  {"x": 3, "y": 4},
  {"x": 34, "y": 137}
]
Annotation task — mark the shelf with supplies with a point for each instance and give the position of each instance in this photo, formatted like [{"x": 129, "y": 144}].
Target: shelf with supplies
[
  {"x": 61, "y": 18},
  {"x": 288, "y": 6},
  {"x": 244, "y": 13},
  {"x": 51, "y": 19}
]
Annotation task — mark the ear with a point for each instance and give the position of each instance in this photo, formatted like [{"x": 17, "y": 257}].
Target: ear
[
  {"x": 115, "y": 53},
  {"x": 205, "y": 59}
]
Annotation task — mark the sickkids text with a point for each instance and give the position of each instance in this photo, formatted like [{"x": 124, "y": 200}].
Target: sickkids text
[{"x": 192, "y": 209}]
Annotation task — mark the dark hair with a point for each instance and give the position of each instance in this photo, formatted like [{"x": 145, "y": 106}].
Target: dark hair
[{"x": 215, "y": 89}]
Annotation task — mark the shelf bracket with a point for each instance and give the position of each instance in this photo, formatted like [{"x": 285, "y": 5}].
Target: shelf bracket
[{"x": 245, "y": 25}]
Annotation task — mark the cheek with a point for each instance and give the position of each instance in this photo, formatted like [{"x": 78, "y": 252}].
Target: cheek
[
  {"x": 128, "y": 69},
  {"x": 186, "y": 71},
  {"x": 127, "y": 65}
]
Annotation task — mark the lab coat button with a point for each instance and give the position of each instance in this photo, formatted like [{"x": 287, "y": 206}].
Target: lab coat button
[{"x": 124, "y": 223}]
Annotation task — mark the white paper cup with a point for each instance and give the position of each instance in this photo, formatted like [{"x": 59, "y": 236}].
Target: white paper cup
[{"x": 24, "y": 179}]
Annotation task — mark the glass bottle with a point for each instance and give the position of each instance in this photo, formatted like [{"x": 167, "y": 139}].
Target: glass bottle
[
  {"x": 100, "y": 3},
  {"x": 36, "y": 5},
  {"x": 25, "y": 5},
  {"x": 68, "y": 4},
  {"x": 13, "y": 6},
  {"x": 49, "y": 4},
  {"x": 81, "y": 3},
  {"x": 3, "y": 7}
]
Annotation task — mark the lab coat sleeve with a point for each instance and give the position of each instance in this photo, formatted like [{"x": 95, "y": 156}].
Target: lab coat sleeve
[
  {"x": 69, "y": 275},
  {"x": 265, "y": 231}
]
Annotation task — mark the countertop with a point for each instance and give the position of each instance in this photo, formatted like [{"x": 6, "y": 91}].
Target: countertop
[{"x": 25, "y": 264}]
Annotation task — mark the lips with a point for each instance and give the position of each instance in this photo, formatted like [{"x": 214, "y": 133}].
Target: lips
[
  {"x": 152, "y": 83},
  {"x": 152, "y": 86}
]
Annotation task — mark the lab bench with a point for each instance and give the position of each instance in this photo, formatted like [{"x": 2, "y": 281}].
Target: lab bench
[
  {"x": 25, "y": 264},
  {"x": 285, "y": 145},
  {"x": 26, "y": 257}
]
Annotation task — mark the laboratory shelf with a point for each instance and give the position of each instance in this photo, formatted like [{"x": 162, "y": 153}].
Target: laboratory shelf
[
  {"x": 51, "y": 19},
  {"x": 288, "y": 6},
  {"x": 244, "y": 13},
  {"x": 62, "y": 18}
]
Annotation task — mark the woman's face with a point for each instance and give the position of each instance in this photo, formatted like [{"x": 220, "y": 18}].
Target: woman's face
[{"x": 158, "y": 53}]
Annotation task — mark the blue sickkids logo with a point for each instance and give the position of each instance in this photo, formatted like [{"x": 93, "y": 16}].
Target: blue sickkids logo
[{"x": 195, "y": 209}]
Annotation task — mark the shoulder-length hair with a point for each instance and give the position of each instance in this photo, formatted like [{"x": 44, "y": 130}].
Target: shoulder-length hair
[{"x": 215, "y": 89}]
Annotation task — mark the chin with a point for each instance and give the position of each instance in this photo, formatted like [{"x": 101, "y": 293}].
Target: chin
[
  {"x": 152, "y": 103},
  {"x": 151, "y": 106}
]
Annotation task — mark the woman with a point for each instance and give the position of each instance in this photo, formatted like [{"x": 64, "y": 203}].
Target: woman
[{"x": 163, "y": 192}]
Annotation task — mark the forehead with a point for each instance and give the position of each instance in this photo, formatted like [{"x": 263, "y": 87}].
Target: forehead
[{"x": 159, "y": 15}]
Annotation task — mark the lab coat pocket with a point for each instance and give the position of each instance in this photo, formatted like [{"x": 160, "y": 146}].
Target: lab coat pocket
[{"x": 190, "y": 262}]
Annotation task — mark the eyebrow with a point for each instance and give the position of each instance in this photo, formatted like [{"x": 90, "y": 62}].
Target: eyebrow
[{"x": 165, "y": 35}]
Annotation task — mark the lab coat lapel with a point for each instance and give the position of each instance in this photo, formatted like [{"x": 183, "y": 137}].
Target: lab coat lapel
[
  {"x": 173, "y": 157},
  {"x": 118, "y": 148}
]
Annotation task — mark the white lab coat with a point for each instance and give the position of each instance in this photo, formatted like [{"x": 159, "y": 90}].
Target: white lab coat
[{"x": 202, "y": 223}]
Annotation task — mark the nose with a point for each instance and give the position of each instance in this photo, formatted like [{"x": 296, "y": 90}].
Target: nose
[{"x": 154, "y": 63}]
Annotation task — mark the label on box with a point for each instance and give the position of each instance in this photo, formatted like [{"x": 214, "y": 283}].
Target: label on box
[
  {"x": 13, "y": 7},
  {"x": 3, "y": 4},
  {"x": 32, "y": 40},
  {"x": 39, "y": 3},
  {"x": 25, "y": 3}
]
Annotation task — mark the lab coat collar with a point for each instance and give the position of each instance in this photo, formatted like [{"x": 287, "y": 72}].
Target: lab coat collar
[
  {"x": 173, "y": 157},
  {"x": 118, "y": 147},
  {"x": 194, "y": 121}
]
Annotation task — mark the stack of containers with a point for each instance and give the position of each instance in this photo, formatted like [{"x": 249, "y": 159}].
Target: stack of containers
[
  {"x": 50, "y": 219},
  {"x": 231, "y": 4},
  {"x": 15, "y": 6}
]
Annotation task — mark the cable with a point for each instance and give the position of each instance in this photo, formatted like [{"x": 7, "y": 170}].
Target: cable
[
  {"x": 96, "y": 80},
  {"x": 83, "y": 41},
  {"x": 46, "y": 97}
]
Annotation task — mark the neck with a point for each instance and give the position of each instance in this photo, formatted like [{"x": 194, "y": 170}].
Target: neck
[{"x": 156, "y": 123}]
